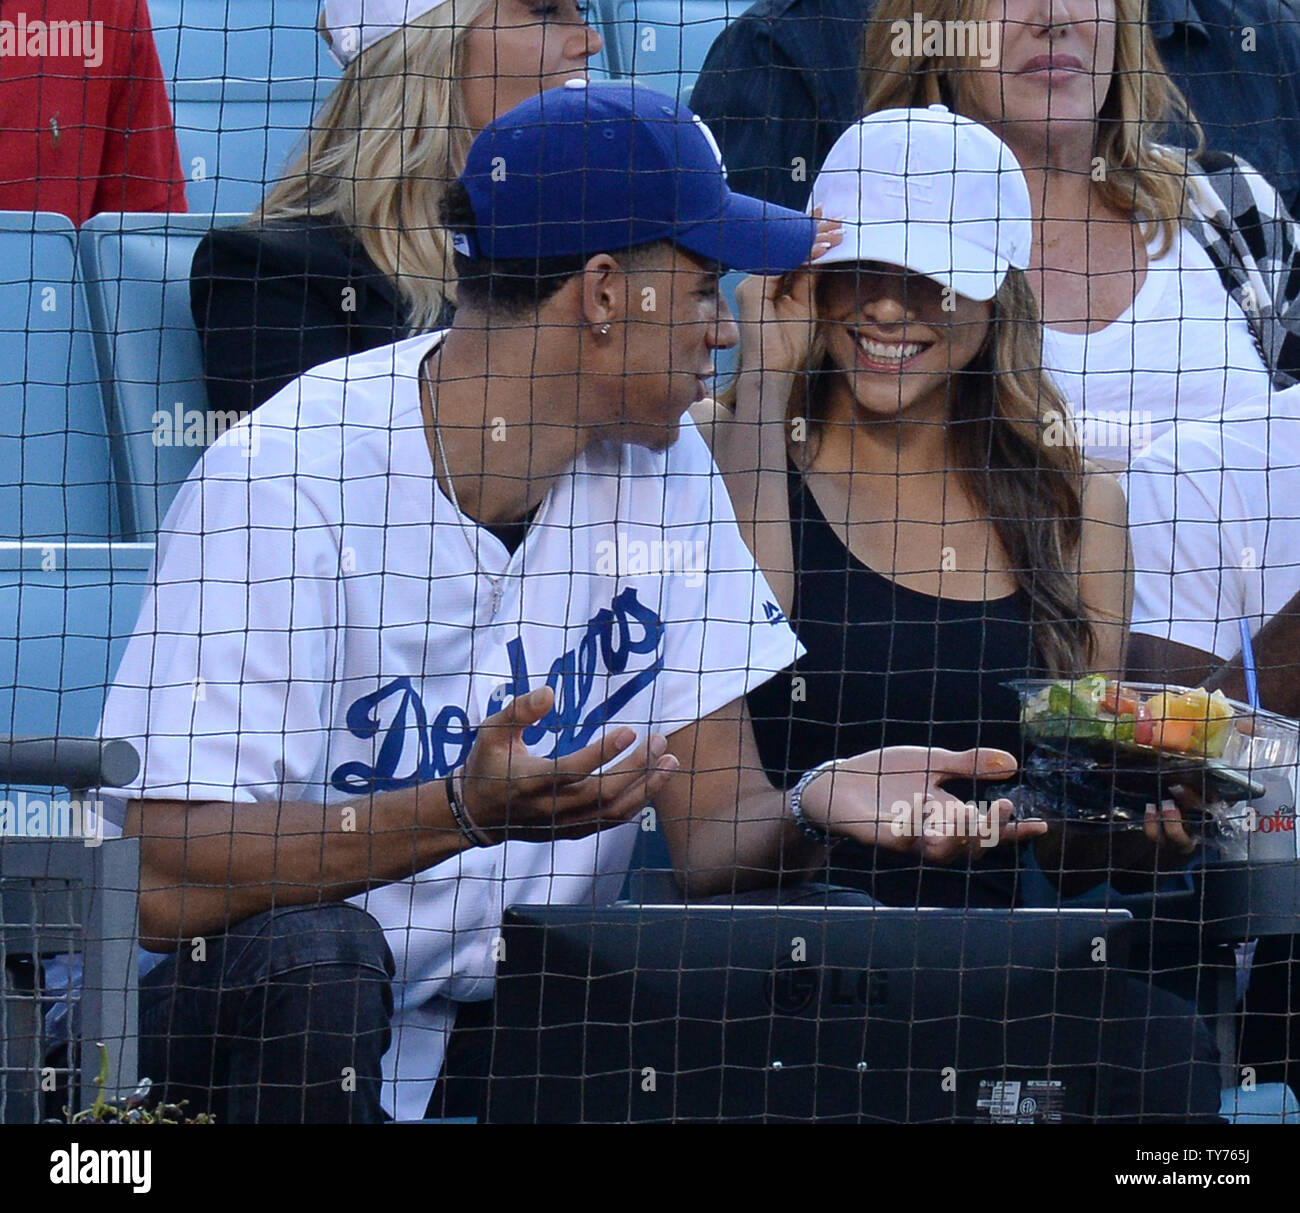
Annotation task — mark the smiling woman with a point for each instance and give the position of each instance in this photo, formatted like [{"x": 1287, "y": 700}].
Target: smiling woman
[
  {"x": 347, "y": 252},
  {"x": 926, "y": 542},
  {"x": 892, "y": 462}
]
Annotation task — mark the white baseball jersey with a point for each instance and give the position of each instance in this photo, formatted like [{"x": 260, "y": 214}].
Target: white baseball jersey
[{"x": 320, "y": 628}]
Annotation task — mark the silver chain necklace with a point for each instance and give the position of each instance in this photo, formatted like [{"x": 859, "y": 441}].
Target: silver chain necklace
[{"x": 497, "y": 583}]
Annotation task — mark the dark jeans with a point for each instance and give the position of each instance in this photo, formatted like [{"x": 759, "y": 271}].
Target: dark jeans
[
  {"x": 283, "y": 1020},
  {"x": 1270, "y": 1041},
  {"x": 1166, "y": 1062}
]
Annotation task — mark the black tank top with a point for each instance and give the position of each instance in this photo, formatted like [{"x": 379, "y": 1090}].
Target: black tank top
[{"x": 886, "y": 665}]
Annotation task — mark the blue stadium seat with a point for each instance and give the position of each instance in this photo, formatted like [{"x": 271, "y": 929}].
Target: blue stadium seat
[
  {"x": 238, "y": 136},
  {"x": 55, "y": 472},
  {"x": 663, "y": 43},
  {"x": 240, "y": 40},
  {"x": 66, "y": 610},
  {"x": 137, "y": 269},
  {"x": 1269, "y": 1103},
  {"x": 245, "y": 78}
]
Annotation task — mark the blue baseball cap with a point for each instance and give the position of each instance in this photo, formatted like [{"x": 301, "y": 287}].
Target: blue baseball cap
[{"x": 596, "y": 167}]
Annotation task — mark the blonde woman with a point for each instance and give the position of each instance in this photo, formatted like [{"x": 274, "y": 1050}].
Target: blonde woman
[
  {"x": 1166, "y": 281},
  {"x": 346, "y": 252}
]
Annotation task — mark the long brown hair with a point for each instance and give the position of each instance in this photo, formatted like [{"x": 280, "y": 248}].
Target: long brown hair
[
  {"x": 1016, "y": 453},
  {"x": 1143, "y": 178}
]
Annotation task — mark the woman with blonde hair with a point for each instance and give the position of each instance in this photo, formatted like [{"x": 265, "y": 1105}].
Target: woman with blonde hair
[
  {"x": 1166, "y": 280},
  {"x": 346, "y": 252}
]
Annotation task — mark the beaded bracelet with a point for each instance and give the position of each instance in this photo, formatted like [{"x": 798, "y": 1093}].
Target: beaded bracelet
[{"x": 813, "y": 832}]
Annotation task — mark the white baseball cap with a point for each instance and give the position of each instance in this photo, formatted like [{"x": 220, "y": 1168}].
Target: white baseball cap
[
  {"x": 354, "y": 25},
  {"x": 931, "y": 191}
]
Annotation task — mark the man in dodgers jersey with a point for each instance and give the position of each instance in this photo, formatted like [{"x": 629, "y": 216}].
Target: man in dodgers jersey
[{"x": 429, "y": 646}]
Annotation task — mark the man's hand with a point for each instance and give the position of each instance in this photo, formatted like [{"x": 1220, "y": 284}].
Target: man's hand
[
  {"x": 508, "y": 793},
  {"x": 894, "y": 798}
]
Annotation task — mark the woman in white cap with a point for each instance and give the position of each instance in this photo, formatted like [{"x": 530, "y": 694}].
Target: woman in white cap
[
  {"x": 1168, "y": 283},
  {"x": 924, "y": 535},
  {"x": 346, "y": 252},
  {"x": 890, "y": 465}
]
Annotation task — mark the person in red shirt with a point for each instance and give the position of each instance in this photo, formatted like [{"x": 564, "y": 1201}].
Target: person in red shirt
[{"x": 85, "y": 125}]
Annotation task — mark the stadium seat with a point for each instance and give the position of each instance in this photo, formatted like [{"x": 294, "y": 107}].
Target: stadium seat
[
  {"x": 240, "y": 39},
  {"x": 236, "y": 136},
  {"x": 66, "y": 610},
  {"x": 136, "y": 269},
  {"x": 1269, "y": 1103},
  {"x": 663, "y": 43},
  {"x": 245, "y": 79},
  {"x": 55, "y": 471}
]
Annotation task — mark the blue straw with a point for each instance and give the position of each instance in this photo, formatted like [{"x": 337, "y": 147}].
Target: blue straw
[{"x": 1248, "y": 664}]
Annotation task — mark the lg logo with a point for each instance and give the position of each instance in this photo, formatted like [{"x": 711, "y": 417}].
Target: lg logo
[{"x": 794, "y": 988}]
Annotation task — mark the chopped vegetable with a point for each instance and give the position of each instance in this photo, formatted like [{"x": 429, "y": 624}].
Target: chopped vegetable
[
  {"x": 1170, "y": 734},
  {"x": 1117, "y": 703},
  {"x": 1144, "y": 729},
  {"x": 1186, "y": 722},
  {"x": 1210, "y": 718}
]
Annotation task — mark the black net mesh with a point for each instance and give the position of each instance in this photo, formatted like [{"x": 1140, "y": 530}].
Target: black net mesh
[{"x": 586, "y": 660}]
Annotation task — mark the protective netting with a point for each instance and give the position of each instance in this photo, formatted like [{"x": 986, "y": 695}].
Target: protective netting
[{"x": 587, "y": 661}]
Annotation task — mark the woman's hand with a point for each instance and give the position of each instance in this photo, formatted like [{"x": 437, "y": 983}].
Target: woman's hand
[
  {"x": 894, "y": 798},
  {"x": 1164, "y": 827},
  {"x": 1078, "y": 858},
  {"x": 777, "y": 315}
]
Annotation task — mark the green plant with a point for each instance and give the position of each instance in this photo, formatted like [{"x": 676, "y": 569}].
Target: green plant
[{"x": 134, "y": 1109}]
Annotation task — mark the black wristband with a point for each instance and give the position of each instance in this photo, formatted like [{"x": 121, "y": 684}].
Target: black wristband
[{"x": 464, "y": 824}]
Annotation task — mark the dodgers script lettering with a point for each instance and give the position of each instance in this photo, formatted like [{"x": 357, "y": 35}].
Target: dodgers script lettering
[{"x": 611, "y": 639}]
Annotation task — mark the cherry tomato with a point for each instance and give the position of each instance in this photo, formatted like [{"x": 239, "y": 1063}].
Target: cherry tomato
[{"x": 1117, "y": 703}]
